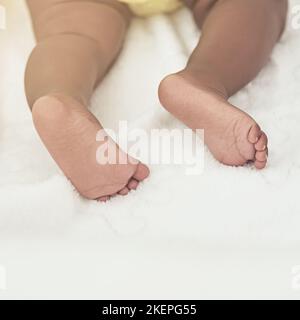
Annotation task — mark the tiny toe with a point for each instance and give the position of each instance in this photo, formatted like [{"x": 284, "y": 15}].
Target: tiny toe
[
  {"x": 124, "y": 192},
  {"x": 261, "y": 155},
  {"x": 262, "y": 143},
  {"x": 254, "y": 133},
  {"x": 260, "y": 164},
  {"x": 104, "y": 199},
  {"x": 141, "y": 173},
  {"x": 133, "y": 184}
]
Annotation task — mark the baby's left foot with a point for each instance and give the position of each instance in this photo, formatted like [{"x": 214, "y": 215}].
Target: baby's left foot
[{"x": 232, "y": 136}]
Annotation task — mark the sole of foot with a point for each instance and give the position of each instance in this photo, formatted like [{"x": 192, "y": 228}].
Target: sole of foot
[
  {"x": 69, "y": 131},
  {"x": 232, "y": 136}
]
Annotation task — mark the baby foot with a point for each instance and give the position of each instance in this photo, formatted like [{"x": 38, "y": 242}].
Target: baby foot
[
  {"x": 232, "y": 136},
  {"x": 69, "y": 132}
]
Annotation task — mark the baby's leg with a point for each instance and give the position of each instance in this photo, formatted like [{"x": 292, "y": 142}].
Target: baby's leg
[
  {"x": 237, "y": 39},
  {"x": 77, "y": 42}
]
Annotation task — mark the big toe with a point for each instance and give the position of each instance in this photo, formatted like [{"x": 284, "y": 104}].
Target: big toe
[
  {"x": 254, "y": 134},
  {"x": 142, "y": 172},
  {"x": 262, "y": 143}
]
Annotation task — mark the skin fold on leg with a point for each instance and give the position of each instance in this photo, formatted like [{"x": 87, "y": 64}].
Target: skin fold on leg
[
  {"x": 77, "y": 42},
  {"x": 237, "y": 39}
]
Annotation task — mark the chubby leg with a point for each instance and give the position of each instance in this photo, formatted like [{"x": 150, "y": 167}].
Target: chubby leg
[
  {"x": 237, "y": 39},
  {"x": 77, "y": 41}
]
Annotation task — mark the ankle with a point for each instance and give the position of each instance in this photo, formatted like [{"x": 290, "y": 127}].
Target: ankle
[
  {"x": 63, "y": 98},
  {"x": 206, "y": 79}
]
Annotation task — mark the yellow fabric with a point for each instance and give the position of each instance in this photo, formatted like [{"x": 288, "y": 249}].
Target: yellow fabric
[{"x": 146, "y": 8}]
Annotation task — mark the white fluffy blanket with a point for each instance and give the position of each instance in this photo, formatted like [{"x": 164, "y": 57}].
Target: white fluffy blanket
[{"x": 172, "y": 215}]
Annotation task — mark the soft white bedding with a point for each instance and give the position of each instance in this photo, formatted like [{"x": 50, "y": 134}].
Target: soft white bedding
[{"x": 56, "y": 244}]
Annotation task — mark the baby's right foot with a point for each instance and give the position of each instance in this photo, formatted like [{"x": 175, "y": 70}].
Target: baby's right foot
[{"x": 69, "y": 132}]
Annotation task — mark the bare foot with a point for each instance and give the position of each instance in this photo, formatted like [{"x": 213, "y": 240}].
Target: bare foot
[
  {"x": 232, "y": 136},
  {"x": 69, "y": 132}
]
